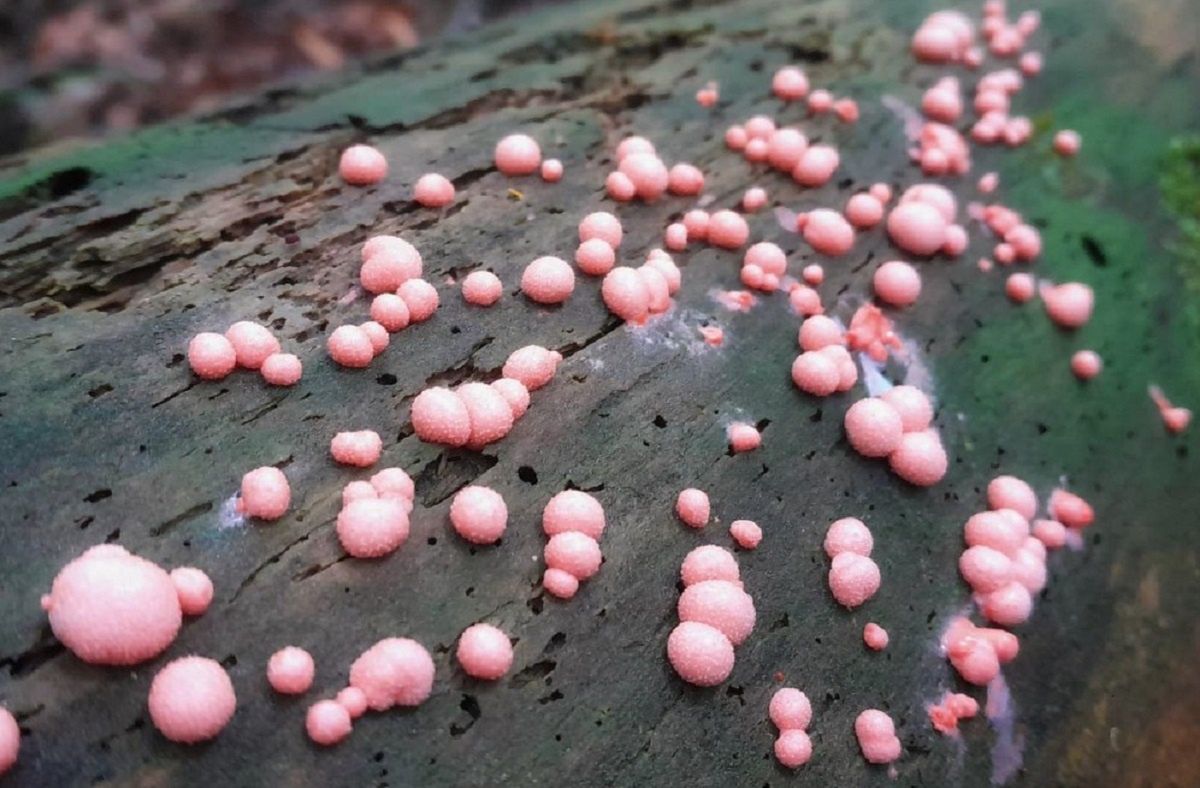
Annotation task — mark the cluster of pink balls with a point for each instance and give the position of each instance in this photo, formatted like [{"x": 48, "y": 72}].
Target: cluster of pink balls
[
  {"x": 923, "y": 222},
  {"x": 574, "y": 521},
  {"x": 897, "y": 425},
  {"x": 942, "y": 150},
  {"x": 993, "y": 100},
  {"x": 723, "y": 229},
  {"x": 791, "y": 712},
  {"x": 361, "y": 448},
  {"x": 784, "y": 149},
  {"x": 248, "y": 345},
  {"x": 978, "y": 652},
  {"x": 1004, "y": 38},
  {"x": 641, "y": 174},
  {"x": 1019, "y": 242},
  {"x": 636, "y": 294},
  {"x": 715, "y": 614},
  {"x": 373, "y": 521},
  {"x": 946, "y": 37},
  {"x": 825, "y": 366},
  {"x": 790, "y": 83},
  {"x": 763, "y": 267},
  {"x": 476, "y": 414},
  {"x": 872, "y": 332},
  {"x": 264, "y": 494},
  {"x": 877, "y": 736},
  {"x": 954, "y": 706},
  {"x": 853, "y": 576}
]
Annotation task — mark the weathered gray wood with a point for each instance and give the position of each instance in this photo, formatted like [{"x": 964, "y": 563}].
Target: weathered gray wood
[{"x": 111, "y": 258}]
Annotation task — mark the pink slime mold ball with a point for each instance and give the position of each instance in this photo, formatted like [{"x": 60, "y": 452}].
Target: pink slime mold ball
[
  {"x": 685, "y": 179},
  {"x": 1067, "y": 143},
  {"x": 573, "y": 552},
  {"x": 440, "y": 416},
  {"x": 819, "y": 331},
  {"x": 1008, "y": 606},
  {"x": 805, "y": 301},
  {"x": 194, "y": 589},
  {"x": 362, "y": 165},
  {"x": 727, "y": 230},
  {"x": 754, "y": 199},
  {"x": 1069, "y": 304},
  {"x": 692, "y": 506},
  {"x": 746, "y": 533},
  {"x": 994, "y": 530},
  {"x": 560, "y": 583},
  {"x": 897, "y": 283},
  {"x": 920, "y": 459},
  {"x": 917, "y": 227},
  {"x": 252, "y": 343},
  {"x": 760, "y": 127},
  {"x": 790, "y": 83},
  {"x": 350, "y": 346},
  {"x": 377, "y": 334},
  {"x": 479, "y": 514},
  {"x": 634, "y": 144},
  {"x": 490, "y": 414},
  {"x": 828, "y": 232},
  {"x": 484, "y": 652},
  {"x": 793, "y": 748},
  {"x": 790, "y": 709},
  {"x": 433, "y": 190},
  {"x": 394, "y": 671},
  {"x": 393, "y": 483},
  {"x": 676, "y": 237},
  {"x": 327, "y": 722},
  {"x": 552, "y": 170},
  {"x": 700, "y": 654},
  {"x": 390, "y": 311},
  {"x": 482, "y": 288},
  {"x": 709, "y": 562},
  {"x": 820, "y": 101},
  {"x": 877, "y": 736},
  {"x": 290, "y": 671},
  {"x": 265, "y": 494},
  {"x": 282, "y": 369},
  {"x": 743, "y": 437},
  {"x": 875, "y": 636},
  {"x": 1051, "y": 533},
  {"x": 816, "y": 166},
  {"x": 515, "y": 394},
  {"x": 816, "y": 373},
  {"x": 864, "y": 210},
  {"x": 10, "y": 740},
  {"x": 595, "y": 257},
  {"x": 361, "y": 449},
  {"x": 853, "y": 579},
  {"x": 767, "y": 256},
  {"x": 785, "y": 148},
  {"x": 658, "y": 292},
  {"x": 1086, "y": 364},
  {"x": 625, "y": 294},
  {"x": 532, "y": 365},
  {"x": 620, "y": 187},
  {"x": 420, "y": 297},
  {"x": 548, "y": 280},
  {"x": 602, "y": 225},
  {"x": 1019, "y": 287},
  {"x": 518, "y": 154},
  {"x": 648, "y": 174},
  {"x": 873, "y": 427},
  {"x": 916, "y": 412},
  {"x": 211, "y": 356},
  {"x": 696, "y": 222},
  {"x": 353, "y": 700},
  {"x": 573, "y": 510},
  {"x": 113, "y": 608},
  {"x": 372, "y": 527},
  {"x": 720, "y": 604},
  {"x": 1009, "y": 492},
  {"x": 985, "y": 569},
  {"x": 191, "y": 700},
  {"x": 848, "y": 535},
  {"x": 736, "y": 138},
  {"x": 1069, "y": 509},
  {"x": 388, "y": 262}
]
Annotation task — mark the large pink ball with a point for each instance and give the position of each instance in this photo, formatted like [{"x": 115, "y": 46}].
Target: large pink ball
[
  {"x": 848, "y": 535},
  {"x": 721, "y": 604},
  {"x": 532, "y": 365},
  {"x": 574, "y": 552},
  {"x": 518, "y": 154},
  {"x": 440, "y": 416},
  {"x": 290, "y": 670},
  {"x": 548, "y": 280},
  {"x": 920, "y": 459},
  {"x": 372, "y": 527},
  {"x": 700, "y": 654},
  {"x": 265, "y": 493},
  {"x": 112, "y": 608},
  {"x": 709, "y": 562},
  {"x": 917, "y": 227},
  {"x": 479, "y": 514},
  {"x": 394, "y": 671},
  {"x": 573, "y": 510},
  {"x": 484, "y": 652},
  {"x": 853, "y": 579},
  {"x": 873, "y": 427},
  {"x": 192, "y": 700},
  {"x": 490, "y": 414}
]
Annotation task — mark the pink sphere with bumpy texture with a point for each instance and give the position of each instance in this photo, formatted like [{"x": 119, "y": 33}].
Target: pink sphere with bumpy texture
[
  {"x": 848, "y": 535},
  {"x": 685, "y": 179},
  {"x": 873, "y": 427},
  {"x": 602, "y": 225},
  {"x": 327, "y": 722},
  {"x": 573, "y": 552},
  {"x": 785, "y": 148},
  {"x": 1009, "y": 492},
  {"x": 875, "y": 636},
  {"x": 877, "y": 736},
  {"x": 420, "y": 297},
  {"x": 816, "y": 166},
  {"x": 573, "y": 510},
  {"x": 10, "y": 740},
  {"x": 482, "y": 288},
  {"x": 388, "y": 261},
  {"x": 265, "y": 494},
  {"x": 390, "y": 311},
  {"x": 720, "y": 604},
  {"x": 393, "y": 483},
  {"x": 560, "y": 583},
  {"x": 1051, "y": 533},
  {"x": 920, "y": 459},
  {"x": 984, "y": 568},
  {"x": 790, "y": 709},
  {"x": 917, "y": 227},
  {"x": 767, "y": 256},
  {"x": 282, "y": 369},
  {"x": 548, "y": 280},
  {"x": 993, "y": 529},
  {"x": 746, "y": 533},
  {"x": 518, "y": 154},
  {"x": 649, "y": 175},
  {"x": 361, "y": 449},
  {"x": 440, "y": 416},
  {"x": 211, "y": 356},
  {"x": 514, "y": 393},
  {"x": 897, "y": 283},
  {"x": 377, "y": 334},
  {"x": 864, "y": 210},
  {"x": 353, "y": 700},
  {"x": 625, "y": 294},
  {"x": 744, "y": 437},
  {"x": 433, "y": 190},
  {"x": 736, "y": 138},
  {"x": 753, "y": 200},
  {"x": 252, "y": 343},
  {"x": 1086, "y": 364},
  {"x": 727, "y": 230},
  {"x": 595, "y": 257},
  {"x": 793, "y": 748},
  {"x": 533, "y": 365},
  {"x": 350, "y": 346},
  {"x": 1009, "y": 605},
  {"x": 819, "y": 331},
  {"x": 552, "y": 170},
  {"x": 700, "y": 654},
  {"x": 191, "y": 700},
  {"x": 395, "y": 671},
  {"x": 709, "y": 562},
  {"x": 290, "y": 671},
  {"x": 692, "y": 506},
  {"x": 790, "y": 83},
  {"x": 853, "y": 579},
  {"x": 113, "y": 608},
  {"x": 620, "y": 187},
  {"x": 634, "y": 144},
  {"x": 362, "y": 165},
  {"x": 490, "y": 414},
  {"x": 372, "y": 527},
  {"x": 1067, "y": 143},
  {"x": 479, "y": 514},
  {"x": 820, "y": 101},
  {"x": 757, "y": 149},
  {"x": 816, "y": 373},
  {"x": 194, "y": 589},
  {"x": 828, "y": 232},
  {"x": 916, "y": 412},
  {"x": 484, "y": 652}
]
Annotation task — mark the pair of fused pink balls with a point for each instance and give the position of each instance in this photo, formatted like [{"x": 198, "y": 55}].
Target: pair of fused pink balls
[
  {"x": 791, "y": 712},
  {"x": 472, "y": 415},
  {"x": 574, "y": 521},
  {"x": 634, "y": 294},
  {"x": 247, "y": 344},
  {"x": 853, "y": 576},
  {"x": 877, "y": 736},
  {"x": 393, "y": 672},
  {"x": 361, "y": 448},
  {"x": 977, "y": 653},
  {"x": 374, "y": 520}
]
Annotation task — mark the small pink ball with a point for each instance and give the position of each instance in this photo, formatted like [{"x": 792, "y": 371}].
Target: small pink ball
[
  {"x": 390, "y": 311},
  {"x": 793, "y": 748},
  {"x": 514, "y": 393},
  {"x": 920, "y": 459},
  {"x": 917, "y": 227},
  {"x": 1069, "y": 305},
  {"x": 353, "y": 700},
  {"x": 767, "y": 256},
  {"x": 625, "y": 294},
  {"x": 479, "y": 514},
  {"x": 709, "y": 562},
  {"x": 532, "y": 365},
  {"x": 816, "y": 166},
  {"x": 1086, "y": 364},
  {"x": 1019, "y": 287},
  {"x": 191, "y": 700},
  {"x": 350, "y": 346},
  {"x": 916, "y": 412},
  {"x": 720, "y": 604},
  {"x": 361, "y": 449},
  {"x": 828, "y": 232},
  {"x": 853, "y": 579},
  {"x": 518, "y": 154},
  {"x": 282, "y": 369},
  {"x": 757, "y": 149},
  {"x": 10, "y": 740},
  {"x": 265, "y": 493},
  {"x": 864, "y": 210},
  {"x": 1051, "y": 533},
  {"x": 693, "y": 508},
  {"x": 848, "y": 535},
  {"x": 573, "y": 552},
  {"x": 897, "y": 283},
  {"x": 873, "y": 427},
  {"x": 820, "y": 101},
  {"x": 1008, "y": 606},
  {"x": 805, "y": 301},
  {"x": 1067, "y": 142},
  {"x": 290, "y": 671},
  {"x": 552, "y": 170},
  {"x": 1069, "y": 509},
  {"x": 482, "y": 288},
  {"x": 942, "y": 103},
  {"x": 707, "y": 96},
  {"x": 754, "y": 199},
  {"x": 393, "y": 483},
  {"x": 744, "y": 437},
  {"x": 985, "y": 569},
  {"x": 790, "y": 83},
  {"x": 327, "y": 722},
  {"x": 746, "y": 533},
  {"x": 790, "y": 709},
  {"x": 211, "y": 356},
  {"x": 194, "y": 588},
  {"x": 433, "y": 190},
  {"x": 484, "y": 652},
  {"x": 813, "y": 274},
  {"x": 676, "y": 237},
  {"x": 602, "y": 225},
  {"x": 875, "y": 636},
  {"x": 362, "y": 165},
  {"x": 956, "y": 240},
  {"x": 620, "y": 186},
  {"x": 420, "y": 297},
  {"x": 727, "y": 230},
  {"x": 548, "y": 280},
  {"x": 377, "y": 334},
  {"x": 736, "y": 138},
  {"x": 372, "y": 527},
  {"x": 252, "y": 343},
  {"x": 490, "y": 414},
  {"x": 785, "y": 148},
  {"x": 685, "y": 179},
  {"x": 815, "y": 373},
  {"x": 700, "y": 654},
  {"x": 595, "y": 257},
  {"x": 760, "y": 127},
  {"x": 573, "y": 510},
  {"x": 648, "y": 174},
  {"x": 560, "y": 583},
  {"x": 846, "y": 110},
  {"x": 1009, "y": 492},
  {"x": 696, "y": 222}
]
